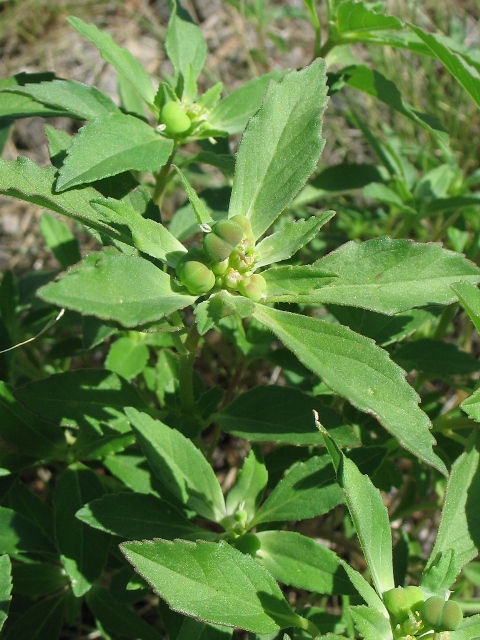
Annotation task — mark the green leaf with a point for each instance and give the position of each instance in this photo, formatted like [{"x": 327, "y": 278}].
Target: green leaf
[
  {"x": 440, "y": 575},
  {"x": 280, "y": 147},
  {"x": 84, "y": 397},
  {"x": 79, "y": 100},
  {"x": 184, "y": 42},
  {"x": 199, "y": 208},
  {"x": 470, "y": 629},
  {"x": 137, "y": 516},
  {"x": 83, "y": 549},
  {"x": 390, "y": 276},
  {"x": 469, "y": 297},
  {"x": 180, "y": 466},
  {"x": 382, "y": 328},
  {"x": 288, "y": 283},
  {"x": 150, "y": 237},
  {"x": 371, "y": 623},
  {"x": 234, "y": 111},
  {"x": 118, "y": 619},
  {"x": 354, "y": 367},
  {"x": 42, "y": 620},
  {"x": 471, "y": 405},
  {"x": 435, "y": 357},
  {"x": 60, "y": 240},
  {"x": 460, "y": 523},
  {"x": 14, "y": 106},
  {"x": 366, "y": 591},
  {"x": 370, "y": 519},
  {"x": 300, "y": 562},
  {"x": 18, "y": 535},
  {"x": 377, "y": 85},
  {"x": 353, "y": 16},
  {"x": 38, "y": 578},
  {"x": 110, "y": 145},
  {"x": 134, "y": 472},
  {"x": 127, "y": 357},
  {"x": 249, "y": 485},
  {"x": 27, "y": 504},
  {"x": 283, "y": 244},
  {"x": 461, "y": 70},
  {"x": 115, "y": 286},
  {"x": 123, "y": 61},
  {"x": 26, "y": 432},
  {"x": 281, "y": 414},
  {"x": 212, "y": 582},
  {"x": 5, "y": 587},
  {"x": 25, "y": 180},
  {"x": 307, "y": 491}
]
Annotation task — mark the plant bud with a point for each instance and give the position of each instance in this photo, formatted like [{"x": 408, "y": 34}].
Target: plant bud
[
  {"x": 219, "y": 268},
  {"x": 400, "y": 601},
  {"x": 196, "y": 276},
  {"x": 174, "y": 118},
  {"x": 441, "y": 615},
  {"x": 253, "y": 288}
]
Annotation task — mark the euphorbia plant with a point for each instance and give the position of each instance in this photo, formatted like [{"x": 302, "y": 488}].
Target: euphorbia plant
[{"x": 134, "y": 461}]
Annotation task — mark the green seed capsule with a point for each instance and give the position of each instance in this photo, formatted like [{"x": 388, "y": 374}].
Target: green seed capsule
[
  {"x": 400, "y": 601},
  {"x": 174, "y": 118},
  {"x": 248, "y": 543},
  {"x": 254, "y": 287},
  {"x": 196, "y": 276},
  {"x": 217, "y": 249},
  {"x": 441, "y": 615},
  {"x": 246, "y": 226}
]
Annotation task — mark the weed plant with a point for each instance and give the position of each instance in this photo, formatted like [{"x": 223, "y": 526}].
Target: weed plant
[{"x": 253, "y": 414}]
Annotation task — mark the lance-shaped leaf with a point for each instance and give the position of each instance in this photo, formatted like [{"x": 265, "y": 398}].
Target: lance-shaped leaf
[
  {"x": 123, "y": 61},
  {"x": 150, "y": 237},
  {"x": 184, "y": 43},
  {"x": 25, "y": 180},
  {"x": 13, "y": 105},
  {"x": 469, "y": 296},
  {"x": 307, "y": 491},
  {"x": 118, "y": 619},
  {"x": 110, "y": 145},
  {"x": 249, "y": 485},
  {"x": 77, "y": 99},
  {"x": 234, "y": 111},
  {"x": 280, "y": 147},
  {"x": 377, "y": 85},
  {"x": 83, "y": 549},
  {"x": 371, "y": 623},
  {"x": 354, "y": 367},
  {"x": 137, "y": 516},
  {"x": 180, "y": 466},
  {"x": 369, "y": 516},
  {"x": 212, "y": 582},
  {"x": 468, "y": 630},
  {"x": 353, "y": 16},
  {"x": 460, "y": 524},
  {"x": 288, "y": 283},
  {"x": 468, "y": 76},
  {"x": 301, "y": 562},
  {"x": 390, "y": 276},
  {"x": 5, "y": 587},
  {"x": 114, "y": 286},
  {"x": 285, "y": 243}
]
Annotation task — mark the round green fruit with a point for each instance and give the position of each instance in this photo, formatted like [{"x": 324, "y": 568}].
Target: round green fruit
[
  {"x": 246, "y": 226},
  {"x": 400, "y": 601},
  {"x": 441, "y": 615},
  {"x": 174, "y": 118},
  {"x": 196, "y": 276},
  {"x": 222, "y": 240},
  {"x": 248, "y": 543},
  {"x": 253, "y": 287}
]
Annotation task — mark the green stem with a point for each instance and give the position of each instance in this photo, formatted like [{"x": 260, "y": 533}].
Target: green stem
[
  {"x": 162, "y": 178},
  {"x": 185, "y": 374}
]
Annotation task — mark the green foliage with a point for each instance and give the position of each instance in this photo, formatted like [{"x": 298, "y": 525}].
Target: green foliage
[{"x": 243, "y": 392}]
